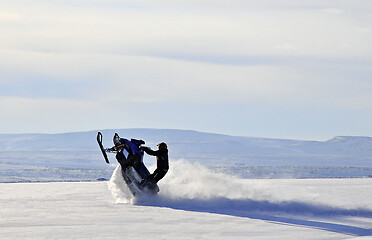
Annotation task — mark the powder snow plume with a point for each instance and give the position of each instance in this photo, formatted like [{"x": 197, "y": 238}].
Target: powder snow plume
[
  {"x": 187, "y": 180},
  {"x": 118, "y": 187},
  {"x": 195, "y": 181},
  {"x": 193, "y": 187}
]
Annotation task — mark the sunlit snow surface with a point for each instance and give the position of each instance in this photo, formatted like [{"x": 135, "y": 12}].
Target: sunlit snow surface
[{"x": 191, "y": 205}]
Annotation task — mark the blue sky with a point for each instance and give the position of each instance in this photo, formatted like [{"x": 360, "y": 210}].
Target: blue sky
[{"x": 278, "y": 69}]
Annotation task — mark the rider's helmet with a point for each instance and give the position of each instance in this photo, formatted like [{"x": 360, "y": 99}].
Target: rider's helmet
[{"x": 162, "y": 145}]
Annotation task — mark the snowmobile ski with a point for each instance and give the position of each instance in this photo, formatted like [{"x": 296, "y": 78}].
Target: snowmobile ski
[{"x": 103, "y": 150}]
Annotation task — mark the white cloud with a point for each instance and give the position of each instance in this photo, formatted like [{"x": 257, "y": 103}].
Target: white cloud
[
  {"x": 34, "y": 115},
  {"x": 334, "y": 11},
  {"x": 80, "y": 54},
  {"x": 9, "y": 17},
  {"x": 171, "y": 28}
]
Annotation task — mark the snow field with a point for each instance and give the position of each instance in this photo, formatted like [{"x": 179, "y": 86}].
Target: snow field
[
  {"x": 88, "y": 211},
  {"x": 194, "y": 203}
]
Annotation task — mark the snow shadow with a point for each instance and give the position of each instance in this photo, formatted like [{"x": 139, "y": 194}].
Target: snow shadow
[{"x": 289, "y": 213}]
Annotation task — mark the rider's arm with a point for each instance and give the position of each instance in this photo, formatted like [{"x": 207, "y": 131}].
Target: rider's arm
[{"x": 151, "y": 152}]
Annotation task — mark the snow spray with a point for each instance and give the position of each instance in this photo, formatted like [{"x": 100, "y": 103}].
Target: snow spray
[
  {"x": 194, "y": 187},
  {"x": 118, "y": 187},
  {"x": 186, "y": 180}
]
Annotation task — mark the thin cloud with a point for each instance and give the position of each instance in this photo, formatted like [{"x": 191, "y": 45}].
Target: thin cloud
[{"x": 280, "y": 54}]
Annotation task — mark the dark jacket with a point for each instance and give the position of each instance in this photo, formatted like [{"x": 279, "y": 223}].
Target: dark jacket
[{"x": 161, "y": 157}]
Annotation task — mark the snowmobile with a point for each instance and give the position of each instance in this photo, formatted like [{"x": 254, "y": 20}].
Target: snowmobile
[{"x": 130, "y": 156}]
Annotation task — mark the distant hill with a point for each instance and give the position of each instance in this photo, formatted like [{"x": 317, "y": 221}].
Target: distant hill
[{"x": 79, "y": 149}]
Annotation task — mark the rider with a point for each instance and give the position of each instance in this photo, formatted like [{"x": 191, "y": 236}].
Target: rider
[{"x": 162, "y": 161}]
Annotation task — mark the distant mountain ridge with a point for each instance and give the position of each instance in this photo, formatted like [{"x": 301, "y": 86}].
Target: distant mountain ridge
[{"x": 207, "y": 148}]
